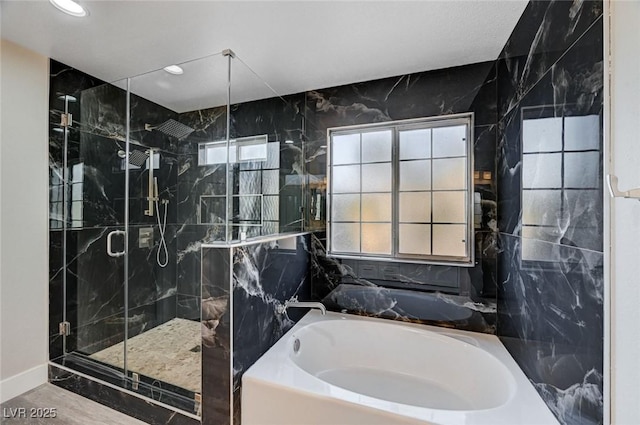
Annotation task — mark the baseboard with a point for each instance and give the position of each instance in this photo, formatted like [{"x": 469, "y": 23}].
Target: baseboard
[{"x": 23, "y": 382}]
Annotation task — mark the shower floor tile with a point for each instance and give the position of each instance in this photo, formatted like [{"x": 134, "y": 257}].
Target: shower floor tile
[{"x": 169, "y": 352}]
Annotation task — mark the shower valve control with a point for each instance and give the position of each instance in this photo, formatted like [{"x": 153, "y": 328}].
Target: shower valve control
[{"x": 145, "y": 237}]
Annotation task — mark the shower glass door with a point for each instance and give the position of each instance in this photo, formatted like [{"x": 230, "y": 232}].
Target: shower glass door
[
  {"x": 92, "y": 198},
  {"x": 171, "y": 113}
]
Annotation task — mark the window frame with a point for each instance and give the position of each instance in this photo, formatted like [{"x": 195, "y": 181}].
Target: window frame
[{"x": 467, "y": 119}]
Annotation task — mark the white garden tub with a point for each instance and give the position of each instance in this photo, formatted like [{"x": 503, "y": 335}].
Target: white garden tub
[{"x": 342, "y": 369}]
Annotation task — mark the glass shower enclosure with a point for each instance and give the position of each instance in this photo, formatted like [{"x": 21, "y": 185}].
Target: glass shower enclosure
[{"x": 146, "y": 170}]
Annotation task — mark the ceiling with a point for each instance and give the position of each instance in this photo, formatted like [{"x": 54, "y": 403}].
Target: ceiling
[{"x": 292, "y": 45}]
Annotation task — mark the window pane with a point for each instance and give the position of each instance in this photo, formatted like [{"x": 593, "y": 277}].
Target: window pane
[
  {"x": 582, "y": 133},
  {"x": 376, "y": 238},
  {"x": 376, "y": 146},
  {"x": 581, "y": 169},
  {"x": 249, "y": 182},
  {"x": 271, "y": 182},
  {"x": 376, "y": 177},
  {"x": 541, "y": 207},
  {"x": 345, "y": 207},
  {"x": 415, "y": 239},
  {"x": 345, "y": 237},
  {"x": 449, "y": 141},
  {"x": 345, "y": 178},
  {"x": 249, "y": 208},
  {"x": 542, "y": 135},
  {"x": 449, "y": 240},
  {"x": 345, "y": 149},
  {"x": 76, "y": 191},
  {"x": 415, "y": 207},
  {"x": 536, "y": 246},
  {"x": 449, "y": 207},
  {"x": 376, "y": 207},
  {"x": 273, "y": 155},
  {"x": 271, "y": 207},
  {"x": 449, "y": 173},
  {"x": 415, "y": 144},
  {"x": 542, "y": 170},
  {"x": 415, "y": 175}
]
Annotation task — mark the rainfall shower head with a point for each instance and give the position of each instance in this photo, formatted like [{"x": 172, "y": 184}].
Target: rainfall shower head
[
  {"x": 171, "y": 128},
  {"x": 136, "y": 157}
]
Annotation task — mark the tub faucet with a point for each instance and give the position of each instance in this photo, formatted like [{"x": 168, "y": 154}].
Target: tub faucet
[{"x": 293, "y": 302}]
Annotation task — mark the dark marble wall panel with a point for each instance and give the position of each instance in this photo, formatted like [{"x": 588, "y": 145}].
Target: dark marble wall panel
[
  {"x": 259, "y": 277},
  {"x": 216, "y": 335},
  {"x": 551, "y": 321},
  {"x": 550, "y": 211},
  {"x": 265, "y": 275},
  {"x": 544, "y": 33},
  {"x": 469, "y": 88}
]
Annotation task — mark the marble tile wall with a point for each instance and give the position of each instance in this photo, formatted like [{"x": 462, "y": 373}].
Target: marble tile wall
[
  {"x": 463, "y": 297},
  {"x": 243, "y": 287},
  {"x": 550, "y": 212}
]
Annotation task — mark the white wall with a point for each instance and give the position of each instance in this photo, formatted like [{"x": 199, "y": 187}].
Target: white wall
[
  {"x": 625, "y": 213},
  {"x": 23, "y": 219}
]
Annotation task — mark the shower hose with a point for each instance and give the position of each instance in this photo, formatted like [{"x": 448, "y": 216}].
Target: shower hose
[{"x": 162, "y": 248}]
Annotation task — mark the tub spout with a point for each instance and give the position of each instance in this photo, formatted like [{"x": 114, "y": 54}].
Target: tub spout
[{"x": 293, "y": 302}]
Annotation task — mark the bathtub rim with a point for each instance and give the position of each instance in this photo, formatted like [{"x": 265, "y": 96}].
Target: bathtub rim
[{"x": 276, "y": 369}]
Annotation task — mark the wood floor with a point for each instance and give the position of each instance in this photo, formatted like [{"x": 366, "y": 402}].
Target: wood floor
[{"x": 70, "y": 409}]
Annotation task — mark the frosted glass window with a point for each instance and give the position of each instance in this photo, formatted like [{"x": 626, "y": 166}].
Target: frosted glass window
[
  {"x": 415, "y": 175},
  {"x": 415, "y": 144},
  {"x": 273, "y": 155},
  {"x": 252, "y": 148},
  {"x": 582, "y": 133},
  {"x": 346, "y": 178},
  {"x": 376, "y": 238},
  {"x": 542, "y": 135},
  {"x": 542, "y": 170},
  {"x": 345, "y": 149},
  {"x": 271, "y": 182},
  {"x": 376, "y": 177},
  {"x": 345, "y": 207},
  {"x": 449, "y": 173},
  {"x": 415, "y": 239},
  {"x": 449, "y": 240},
  {"x": 271, "y": 207},
  {"x": 249, "y": 208},
  {"x": 215, "y": 153},
  {"x": 579, "y": 203},
  {"x": 536, "y": 246},
  {"x": 415, "y": 207},
  {"x": 345, "y": 237},
  {"x": 581, "y": 169},
  {"x": 449, "y": 141},
  {"x": 449, "y": 207},
  {"x": 249, "y": 182},
  {"x": 376, "y": 207},
  {"x": 392, "y": 184},
  {"x": 541, "y": 207},
  {"x": 376, "y": 146},
  {"x": 76, "y": 192}
]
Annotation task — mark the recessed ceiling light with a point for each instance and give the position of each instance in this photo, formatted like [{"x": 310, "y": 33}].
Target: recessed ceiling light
[
  {"x": 173, "y": 69},
  {"x": 69, "y": 7}
]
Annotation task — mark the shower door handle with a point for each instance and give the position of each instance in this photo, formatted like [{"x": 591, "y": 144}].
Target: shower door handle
[{"x": 109, "y": 238}]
